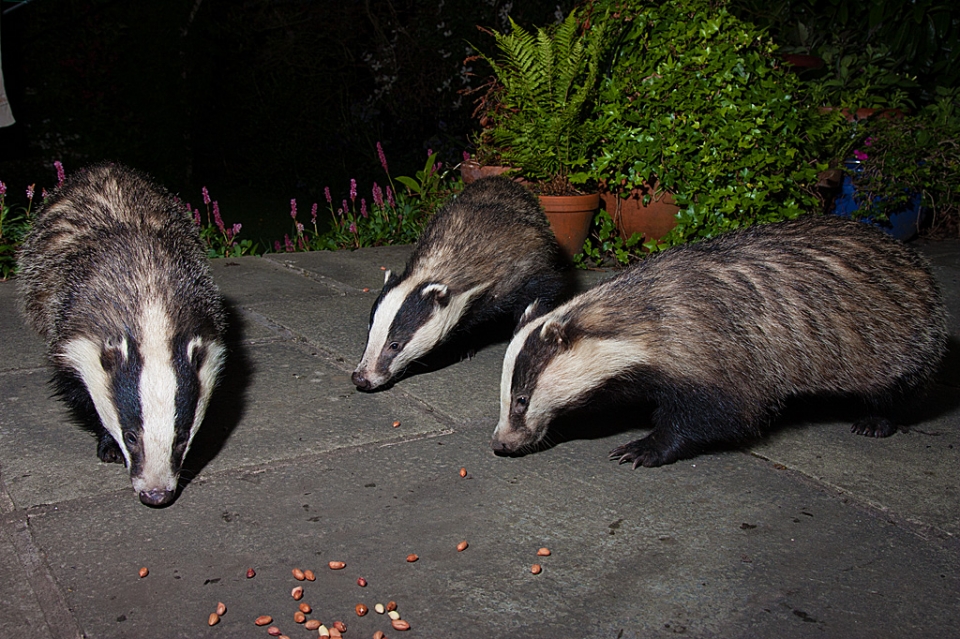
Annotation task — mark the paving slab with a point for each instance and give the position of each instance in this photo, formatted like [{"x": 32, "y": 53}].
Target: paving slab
[{"x": 808, "y": 532}]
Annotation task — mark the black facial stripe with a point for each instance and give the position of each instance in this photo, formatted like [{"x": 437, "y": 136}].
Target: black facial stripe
[
  {"x": 125, "y": 384},
  {"x": 415, "y": 311},
  {"x": 533, "y": 358},
  {"x": 188, "y": 394}
]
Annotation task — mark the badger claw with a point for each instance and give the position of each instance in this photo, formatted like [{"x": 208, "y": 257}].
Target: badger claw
[
  {"x": 643, "y": 452},
  {"x": 108, "y": 451},
  {"x": 874, "y": 427}
]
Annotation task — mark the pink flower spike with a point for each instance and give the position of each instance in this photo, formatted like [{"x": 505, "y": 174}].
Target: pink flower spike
[
  {"x": 383, "y": 158},
  {"x": 353, "y": 227},
  {"x": 236, "y": 228},
  {"x": 288, "y": 244},
  {"x": 326, "y": 194},
  {"x": 196, "y": 217},
  {"x": 390, "y": 199},
  {"x": 3, "y": 188},
  {"x": 293, "y": 208},
  {"x": 276, "y": 246},
  {"x": 466, "y": 156},
  {"x": 363, "y": 207},
  {"x": 345, "y": 206},
  {"x": 30, "y": 192},
  {"x": 868, "y": 142},
  {"x": 206, "y": 196},
  {"x": 377, "y": 195},
  {"x": 60, "y": 173},
  {"x": 299, "y": 227},
  {"x": 353, "y": 189},
  {"x": 216, "y": 216},
  {"x": 313, "y": 213},
  {"x": 860, "y": 155}
]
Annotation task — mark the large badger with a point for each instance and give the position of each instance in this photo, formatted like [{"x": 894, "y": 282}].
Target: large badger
[
  {"x": 114, "y": 277},
  {"x": 489, "y": 252},
  {"x": 719, "y": 334}
]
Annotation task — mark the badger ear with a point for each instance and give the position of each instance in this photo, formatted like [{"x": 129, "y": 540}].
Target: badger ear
[
  {"x": 113, "y": 354},
  {"x": 555, "y": 331},
  {"x": 386, "y": 276},
  {"x": 439, "y": 292}
]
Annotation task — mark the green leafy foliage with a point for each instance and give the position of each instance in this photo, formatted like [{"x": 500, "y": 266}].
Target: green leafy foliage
[
  {"x": 537, "y": 120},
  {"x": 694, "y": 102},
  {"x": 14, "y": 224}
]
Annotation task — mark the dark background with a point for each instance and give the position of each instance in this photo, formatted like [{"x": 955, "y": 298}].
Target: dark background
[{"x": 261, "y": 101}]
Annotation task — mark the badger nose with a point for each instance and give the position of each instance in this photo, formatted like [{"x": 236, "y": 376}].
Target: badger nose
[
  {"x": 360, "y": 381},
  {"x": 499, "y": 448},
  {"x": 156, "y": 496}
]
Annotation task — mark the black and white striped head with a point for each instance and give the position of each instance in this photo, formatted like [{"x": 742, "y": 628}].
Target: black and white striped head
[
  {"x": 552, "y": 364},
  {"x": 409, "y": 318},
  {"x": 151, "y": 386}
]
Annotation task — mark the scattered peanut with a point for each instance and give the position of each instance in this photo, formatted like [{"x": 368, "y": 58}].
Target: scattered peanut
[
  {"x": 361, "y": 582},
  {"x": 340, "y": 626},
  {"x": 298, "y": 574},
  {"x": 536, "y": 569},
  {"x": 299, "y": 617},
  {"x": 251, "y": 573},
  {"x": 324, "y": 631},
  {"x": 213, "y": 619},
  {"x": 391, "y": 605},
  {"x": 335, "y": 634},
  {"x": 305, "y": 608},
  {"x": 400, "y": 624},
  {"x": 412, "y": 558},
  {"x": 543, "y": 552},
  {"x": 396, "y": 424},
  {"x": 379, "y": 608},
  {"x": 366, "y": 290},
  {"x": 462, "y": 546},
  {"x": 337, "y": 565},
  {"x": 263, "y": 620},
  {"x": 297, "y": 593},
  {"x": 312, "y": 624},
  {"x": 463, "y": 472},
  {"x": 379, "y": 635},
  {"x": 394, "y": 615},
  {"x": 143, "y": 572},
  {"x": 309, "y": 576},
  {"x": 361, "y": 610},
  {"x": 273, "y": 631}
]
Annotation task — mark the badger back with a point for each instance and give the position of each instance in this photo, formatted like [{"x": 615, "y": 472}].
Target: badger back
[
  {"x": 487, "y": 252},
  {"x": 818, "y": 305},
  {"x": 114, "y": 276}
]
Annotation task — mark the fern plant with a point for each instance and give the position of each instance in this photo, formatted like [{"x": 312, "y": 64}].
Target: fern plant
[{"x": 536, "y": 111}]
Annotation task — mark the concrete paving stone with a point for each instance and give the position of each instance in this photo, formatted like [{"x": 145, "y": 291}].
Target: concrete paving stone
[
  {"x": 723, "y": 545},
  {"x": 348, "y": 269},
  {"x": 20, "y": 347}
]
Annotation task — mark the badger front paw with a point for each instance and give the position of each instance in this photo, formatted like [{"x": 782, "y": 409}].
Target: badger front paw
[
  {"x": 108, "y": 451},
  {"x": 874, "y": 427},
  {"x": 645, "y": 452}
]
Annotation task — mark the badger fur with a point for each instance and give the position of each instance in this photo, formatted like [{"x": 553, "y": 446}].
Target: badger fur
[
  {"x": 719, "y": 334},
  {"x": 487, "y": 253},
  {"x": 114, "y": 277}
]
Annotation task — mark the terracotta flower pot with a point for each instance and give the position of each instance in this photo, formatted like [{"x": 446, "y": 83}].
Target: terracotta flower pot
[
  {"x": 631, "y": 215},
  {"x": 570, "y": 217}
]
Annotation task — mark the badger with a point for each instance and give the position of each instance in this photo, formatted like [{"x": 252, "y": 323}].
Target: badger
[
  {"x": 114, "y": 277},
  {"x": 719, "y": 334},
  {"x": 487, "y": 254}
]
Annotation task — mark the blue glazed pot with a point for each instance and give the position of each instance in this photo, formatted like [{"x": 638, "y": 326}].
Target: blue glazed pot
[{"x": 903, "y": 225}]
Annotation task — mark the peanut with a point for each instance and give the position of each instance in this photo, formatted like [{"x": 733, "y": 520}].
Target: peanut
[
  {"x": 273, "y": 631},
  {"x": 312, "y": 624},
  {"x": 340, "y": 626},
  {"x": 463, "y": 472},
  {"x": 299, "y": 617},
  {"x": 298, "y": 574},
  {"x": 536, "y": 569},
  {"x": 462, "y": 546},
  {"x": 361, "y": 610},
  {"x": 213, "y": 619},
  {"x": 391, "y": 605},
  {"x": 379, "y": 608},
  {"x": 297, "y": 593},
  {"x": 143, "y": 572},
  {"x": 309, "y": 576},
  {"x": 337, "y": 565},
  {"x": 305, "y": 608},
  {"x": 361, "y": 582},
  {"x": 263, "y": 620},
  {"x": 251, "y": 573},
  {"x": 400, "y": 624},
  {"x": 543, "y": 552},
  {"x": 379, "y": 635},
  {"x": 412, "y": 558}
]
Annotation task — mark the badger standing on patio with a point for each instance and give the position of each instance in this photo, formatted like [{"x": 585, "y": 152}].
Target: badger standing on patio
[
  {"x": 113, "y": 275},
  {"x": 721, "y": 333}
]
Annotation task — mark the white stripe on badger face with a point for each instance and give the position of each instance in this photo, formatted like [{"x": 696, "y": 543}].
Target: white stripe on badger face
[
  {"x": 506, "y": 376},
  {"x": 158, "y": 392},
  {"x": 380, "y": 330},
  {"x": 208, "y": 374},
  {"x": 82, "y": 354},
  {"x": 436, "y": 329}
]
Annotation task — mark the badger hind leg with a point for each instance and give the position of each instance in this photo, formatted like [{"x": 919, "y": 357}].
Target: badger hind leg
[{"x": 874, "y": 426}]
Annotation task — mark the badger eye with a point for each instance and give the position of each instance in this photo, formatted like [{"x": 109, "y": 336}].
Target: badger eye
[
  {"x": 520, "y": 404},
  {"x": 130, "y": 438},
  {"x": 394, "y": 346}
]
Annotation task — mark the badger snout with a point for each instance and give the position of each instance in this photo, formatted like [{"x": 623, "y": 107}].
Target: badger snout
[
  {"x": 362, "y": 381},
  {"x": 156, "y": 497}
]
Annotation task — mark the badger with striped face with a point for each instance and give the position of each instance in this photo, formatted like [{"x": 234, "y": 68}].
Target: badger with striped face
[
  {"x": 486, "y": 254},
  {"x": 114, "y": 277},
  {"x": 721, "y": 333}
]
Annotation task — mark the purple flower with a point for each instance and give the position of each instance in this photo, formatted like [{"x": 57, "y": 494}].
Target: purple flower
[
  {"x": 60, "y": 173},
  {"x": 353, "y": 227},
  {"x": 390, "y": 199},
  {"x": 196, "y": 216},
  {"x": 363, "y": 207},
  {"x": 377, "y": 195},
  {"x": 353, "y": 189},
  {"x": 345, "y": 207},
  {"x": 30, "y": 192},
  {"x": 299, "y": 228},
  {"x": 860, "y": 155},
  {"x": 293, "y": 208},
  {"x": 216, "y": 217},
  {"x": 326, "y": 193},
  {"x": 868, "y": 141},
  {"x": 276, "y": 246},
  {"x": 383, "y": 158},
  {"x": 236, "y": 228},
  {"x": 3, "y": 188},
  {"x": 206, "y": 196},
  {"x": 288, "y": 244},
  {"x": 313, "y": 213},
  {"x": 43, "y": 194},
  {"x": 466, "y": 156}
]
